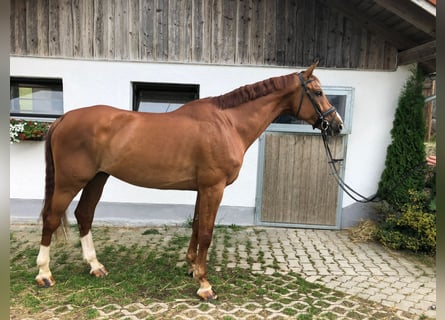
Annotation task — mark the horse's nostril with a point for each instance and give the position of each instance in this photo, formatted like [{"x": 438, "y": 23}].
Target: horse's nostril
[{"x": 340, "y": 126}]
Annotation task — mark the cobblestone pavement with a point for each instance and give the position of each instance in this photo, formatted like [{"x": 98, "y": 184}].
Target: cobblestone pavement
[{"x": 376, "y": 283}]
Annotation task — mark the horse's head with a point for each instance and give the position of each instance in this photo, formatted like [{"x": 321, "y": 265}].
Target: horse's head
[{"x": 313, "y": 107}]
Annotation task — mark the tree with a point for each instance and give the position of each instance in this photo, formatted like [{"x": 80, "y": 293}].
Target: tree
[{"x": 405, "y": 159}]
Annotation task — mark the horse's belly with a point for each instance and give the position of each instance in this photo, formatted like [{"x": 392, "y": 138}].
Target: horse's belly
[{"x": 157, "y": 177}]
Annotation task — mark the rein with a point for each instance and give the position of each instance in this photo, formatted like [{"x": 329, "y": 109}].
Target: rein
[
  {"x": 351, "y": 192},
  {"x": 341, "y": 183}
]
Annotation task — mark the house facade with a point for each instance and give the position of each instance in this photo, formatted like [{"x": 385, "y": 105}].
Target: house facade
[{"x": 150, "y": 55}]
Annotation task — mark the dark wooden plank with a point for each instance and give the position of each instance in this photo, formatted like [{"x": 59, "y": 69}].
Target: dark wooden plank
[
  {"x": 290, "y": 32},
  {"x": 19, "y": 18},
  {"x": 161, "y": 31},
  {"x": 188, "y": 32},
  {"x": 257, "y": 34},
  {"x": 217, "y": 35},
  {"x": 202, "y": 24},
  {"x": 78, "y": 35},
  {"x": 176, "y": 30},
  {"x": 209, "y": 23},
  {"x": 86, "y": 13},
  {"x": 310, "y": 19},
  {"x": 270, "y": 32},
  {"x": 321, "y": 33},
  {"x": 356, "y": 35},
  {"x": 66, "y": 28},
  {"x": 12, "y": 30},
  {"x": 147, "y": 33},
  {"x": 243, "y": 31},
  {"x": 390, "y": 57},
  {"x": 31, "y": 28},
  {"x": 339, "y": 31},
  {"x": 373, "y": 52},
  {"x": 332, "y": 39},
  {"x": 299, "y": 37},
  {"x": 121, "y": 30},
  {"x": 53, "y": 25},
  {"x": 198, "y": 36},
  {"x": 99, "y": 27},
  {"x": 363, "y": 58},
  {"x": 42, "y": 28},
  {"x": 281, "y": 32},
  {"x": 346, "y": 44},
  {"x": 135, "y": 26},
  {"x": 109, "y": 35},
  {"x": 227, "y": 54}
]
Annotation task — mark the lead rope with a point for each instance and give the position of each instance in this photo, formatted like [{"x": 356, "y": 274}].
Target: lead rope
[{"x": 342, "y": 184}]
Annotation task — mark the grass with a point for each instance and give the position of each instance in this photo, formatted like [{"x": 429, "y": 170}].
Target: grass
[{"x": 148, "y": 267}]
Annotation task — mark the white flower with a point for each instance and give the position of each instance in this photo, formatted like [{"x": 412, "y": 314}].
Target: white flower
[{"x": 14, "y": 130}]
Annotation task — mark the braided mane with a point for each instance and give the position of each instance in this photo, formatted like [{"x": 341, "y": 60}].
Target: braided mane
[{"x": 252, "y": 91}]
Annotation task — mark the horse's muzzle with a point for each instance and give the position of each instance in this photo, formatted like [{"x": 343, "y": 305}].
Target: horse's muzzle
[{"x": 334, "y": 127}]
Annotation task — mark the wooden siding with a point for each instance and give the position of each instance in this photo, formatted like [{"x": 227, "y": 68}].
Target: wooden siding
[
  {"x": 297, "y": 185},
  {"x": 254, "y": 32}
]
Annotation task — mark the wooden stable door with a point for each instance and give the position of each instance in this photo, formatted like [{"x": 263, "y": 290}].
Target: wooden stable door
[{"x": 297, "y": 187}]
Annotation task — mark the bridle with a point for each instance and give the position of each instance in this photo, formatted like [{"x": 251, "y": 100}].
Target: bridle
[
  {"x": 321, "y": 122},
  {"x": 324, "y": 126}
]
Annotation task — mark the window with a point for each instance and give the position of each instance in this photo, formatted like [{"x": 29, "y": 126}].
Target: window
[
  {"x": 36, "y": 97},
  {"x": 339, "y": 97},
  {"x": 162, "y": 97}
]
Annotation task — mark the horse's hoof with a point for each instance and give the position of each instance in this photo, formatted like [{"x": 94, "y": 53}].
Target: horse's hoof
[
  {"x": 207, "y": 294},
  {"x": 99, "y": 273},
  {"x": 45, "y": 282}
]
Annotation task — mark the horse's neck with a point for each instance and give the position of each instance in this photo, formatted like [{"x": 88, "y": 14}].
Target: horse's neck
[{"x": 253, "y": 117}]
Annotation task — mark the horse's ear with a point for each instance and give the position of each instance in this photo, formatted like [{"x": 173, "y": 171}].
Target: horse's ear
[{"x": 309, "y": 70}]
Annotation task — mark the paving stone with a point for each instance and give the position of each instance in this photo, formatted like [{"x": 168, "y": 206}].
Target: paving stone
[{"x": 396, "y": 287}]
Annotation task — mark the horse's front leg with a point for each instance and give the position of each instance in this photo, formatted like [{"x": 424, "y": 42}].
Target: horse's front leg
[
  {"x": 209, "y": 200},
  {"x": 193, "y": 245}
]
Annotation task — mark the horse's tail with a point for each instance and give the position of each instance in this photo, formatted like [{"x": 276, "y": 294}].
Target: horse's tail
[{"x": 49, "y": 181}]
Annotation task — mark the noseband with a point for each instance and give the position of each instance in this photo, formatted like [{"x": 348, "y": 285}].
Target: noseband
[{"x": 321, "y": 121}]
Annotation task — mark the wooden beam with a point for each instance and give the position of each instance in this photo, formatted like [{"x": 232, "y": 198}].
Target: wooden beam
[
  {"x": 424, "y": 52},
  {"x": 362, "y": 19},
  {"x": 411, "y": 13}
]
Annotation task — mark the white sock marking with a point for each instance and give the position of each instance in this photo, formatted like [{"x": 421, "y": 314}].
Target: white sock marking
[
  {"x": 88, "y": 251},
  {"x": 43, "y": 262}
]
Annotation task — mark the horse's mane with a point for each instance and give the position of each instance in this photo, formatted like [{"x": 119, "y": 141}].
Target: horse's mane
[{"x": 252, "y": 91}]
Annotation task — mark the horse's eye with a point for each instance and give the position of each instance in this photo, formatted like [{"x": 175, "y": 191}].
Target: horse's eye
[{"x": 318, "y": 93}]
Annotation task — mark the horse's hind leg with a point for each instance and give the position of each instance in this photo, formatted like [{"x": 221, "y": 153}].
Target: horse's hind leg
[
  {"x": 51, "y": 222},
  {"x": 84, "y": 214}
]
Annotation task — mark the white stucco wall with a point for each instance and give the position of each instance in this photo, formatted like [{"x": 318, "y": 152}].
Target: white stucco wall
[{"x": 103, "y": 82}]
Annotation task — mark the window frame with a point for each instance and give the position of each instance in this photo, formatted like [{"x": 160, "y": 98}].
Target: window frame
[
  {"x": 53, "y": 84},
  {"x": 159, "y": 88}
]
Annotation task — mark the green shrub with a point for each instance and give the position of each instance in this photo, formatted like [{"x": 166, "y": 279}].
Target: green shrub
[
  {"x": 405, "y": 158},
  {"x": 414, "y": 228}
]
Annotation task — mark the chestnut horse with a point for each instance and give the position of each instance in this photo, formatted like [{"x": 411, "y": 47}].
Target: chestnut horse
[{"x": 199, "y": 146}]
